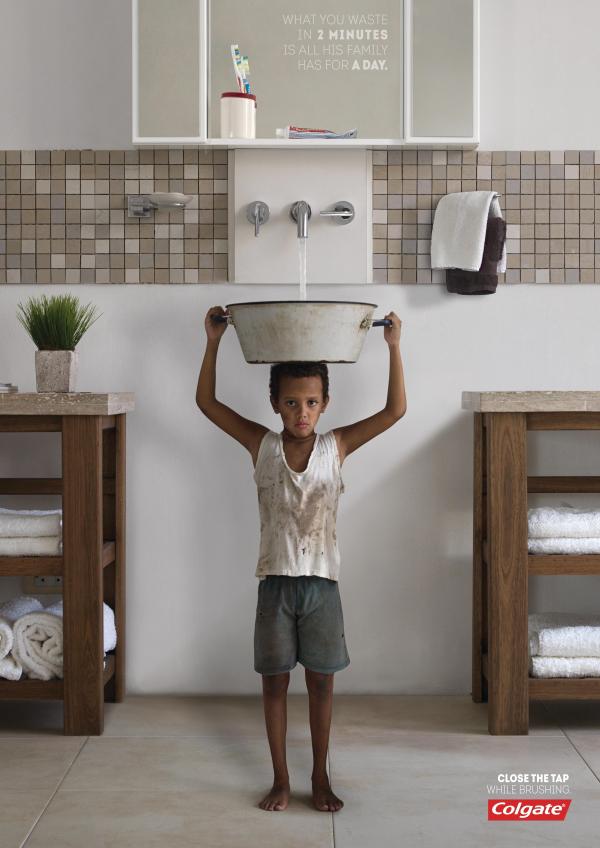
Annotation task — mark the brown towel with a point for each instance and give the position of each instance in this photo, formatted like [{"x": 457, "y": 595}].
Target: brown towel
[{"x": 485, "y": 280}]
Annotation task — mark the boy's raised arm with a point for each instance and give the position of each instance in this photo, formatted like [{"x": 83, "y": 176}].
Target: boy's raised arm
[
  {"x": 352, "y": 436},
  {"x": 248, "y": 433}
]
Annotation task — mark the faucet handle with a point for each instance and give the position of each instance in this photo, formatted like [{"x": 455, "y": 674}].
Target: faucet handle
[
  {"x": 343, "y": 211},
  {"x": 257, "y": 213}
]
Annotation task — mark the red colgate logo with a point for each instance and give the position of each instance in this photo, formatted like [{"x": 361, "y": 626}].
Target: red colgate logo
[{"x": 553, "y": 810}]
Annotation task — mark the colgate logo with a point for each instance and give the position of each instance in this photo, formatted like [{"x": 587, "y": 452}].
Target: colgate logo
[{"x": 553, "y": 810}]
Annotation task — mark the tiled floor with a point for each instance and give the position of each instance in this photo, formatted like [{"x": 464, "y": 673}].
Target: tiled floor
[{"x": 176, "y": 772}]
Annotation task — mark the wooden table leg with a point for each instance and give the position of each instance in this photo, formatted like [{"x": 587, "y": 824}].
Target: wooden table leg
[
  {"x": 83, "y": 580},
  {"x": 478, "y": 599},
  {"x": 508, "y": 704},
  {"x": 119, "y": 679},
  {"x": 113, "y": 520}
]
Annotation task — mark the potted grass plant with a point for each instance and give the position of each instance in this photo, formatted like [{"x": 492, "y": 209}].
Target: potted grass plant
[{"x": 56, "y": 325}]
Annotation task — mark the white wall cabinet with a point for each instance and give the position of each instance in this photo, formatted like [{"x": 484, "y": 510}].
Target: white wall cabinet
[{"x": 433, "y": 59}]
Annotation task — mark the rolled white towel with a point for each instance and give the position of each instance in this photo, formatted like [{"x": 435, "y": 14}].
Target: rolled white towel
[
  {"x": 564, "y": 634},
  {"x": 38, "y": 645},
  {"x": 6, "y": 638},
  {"x": 30, "y": 522},
  {"x": 30, "y": 546},
  {"x": 108, "y": 617},
  {"x": 38, "y": 640},
  {"x": 545, "y": 521},
  {"x": 10, "y": 669},
  {"x": 21, "y": 605},
  {"x": 564, "y": 666},
  {"x": 561, "y": 545}
]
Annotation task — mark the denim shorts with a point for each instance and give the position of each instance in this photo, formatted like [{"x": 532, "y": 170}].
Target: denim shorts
[{"x": 299, "y": 619}]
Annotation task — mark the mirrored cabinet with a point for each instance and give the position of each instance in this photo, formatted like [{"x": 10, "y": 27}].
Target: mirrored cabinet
[{"x": 385, "y": 72}]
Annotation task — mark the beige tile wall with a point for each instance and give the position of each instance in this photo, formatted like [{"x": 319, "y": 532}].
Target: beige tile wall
[
  {"x": 63, "y": 214},
  {"x": 550, "y": 199},
  {"x": 63, "y": 217}
]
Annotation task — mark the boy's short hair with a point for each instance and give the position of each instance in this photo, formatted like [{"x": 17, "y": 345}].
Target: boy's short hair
[{"x": 298, "y": 369}]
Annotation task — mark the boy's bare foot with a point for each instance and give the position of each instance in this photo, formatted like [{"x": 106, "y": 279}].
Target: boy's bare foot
[
  {"x": 277, "y": 798},
  {"x": 324, "y": 798}
]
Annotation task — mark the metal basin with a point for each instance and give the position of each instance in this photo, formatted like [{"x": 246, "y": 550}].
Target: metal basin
[{"x": 302, "y": 330}]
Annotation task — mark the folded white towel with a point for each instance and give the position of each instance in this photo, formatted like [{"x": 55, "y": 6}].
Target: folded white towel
[
  {"x": 38, "y": 641},
  {"x": 459, "y": 227},
  {"x": 560, "y": 545},
  {"x": 30, "y": 546},
  {"x": 564, "y": 666},
  {"x": 21, "y": 605},
  {"x": 564, "y": 634},
  {"x": 30, "y": 522},
  {"x": 545, "y": 521}
]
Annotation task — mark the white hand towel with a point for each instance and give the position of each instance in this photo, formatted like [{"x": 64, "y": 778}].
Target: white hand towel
[
  {"x": 38, "y": 645},
  {"x": 16, "y": 607},
  {"x": 564, "y": 634},
  {"x": 30, "y": 546},
  {"x": 30, "y": 522},
  {"x": 108, "y": 616},
  {"x": 545, "y": 521},
  {"x": 459, "y": 226},
  {"x": 564, "y": 666},
  {"x": 560, "y": 545}
]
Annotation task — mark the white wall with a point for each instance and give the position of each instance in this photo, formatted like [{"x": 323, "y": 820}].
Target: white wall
[{"x": 405, "y": 518}]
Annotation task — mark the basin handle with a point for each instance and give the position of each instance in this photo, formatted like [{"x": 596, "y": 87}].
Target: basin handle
[
  {"x": 257, "y": 213},
  {"x": 377, "y": 322},
  {"x": 222, "y": 319},
  {"x": 343, "y": 212}
]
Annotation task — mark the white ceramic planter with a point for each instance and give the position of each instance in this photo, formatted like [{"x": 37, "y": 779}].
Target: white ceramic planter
[
  {"x": 56, "y": 370},
  {"x": 301, "y": 330}
]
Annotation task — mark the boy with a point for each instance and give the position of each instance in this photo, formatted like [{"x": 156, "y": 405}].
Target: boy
[{"x": 297, "y": 472}]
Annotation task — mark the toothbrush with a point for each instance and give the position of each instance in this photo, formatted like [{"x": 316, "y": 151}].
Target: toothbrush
[
  {"x": 243, "y": 67},
  {"x": 246, "y": 67},
  {"x": 234, "y": 56}
]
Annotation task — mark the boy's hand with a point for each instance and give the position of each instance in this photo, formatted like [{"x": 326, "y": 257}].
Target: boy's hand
[
  {"x": 215, "y": 329},
  {"x": 392, "y": 334}
]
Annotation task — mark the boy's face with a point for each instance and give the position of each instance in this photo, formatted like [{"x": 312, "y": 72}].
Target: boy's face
[{"x": 300, "y": 404}]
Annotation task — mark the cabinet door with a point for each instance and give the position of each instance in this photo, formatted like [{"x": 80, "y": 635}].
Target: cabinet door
[
  {"x": 168, "y": 71},
  {"x": 443, "y": 58}
]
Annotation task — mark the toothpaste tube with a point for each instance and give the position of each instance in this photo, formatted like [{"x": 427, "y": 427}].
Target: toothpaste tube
[{"x": 307, "y": 132}]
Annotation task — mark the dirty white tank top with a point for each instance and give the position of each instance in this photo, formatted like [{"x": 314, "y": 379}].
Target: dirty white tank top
[{"x": 298, "y": 509}]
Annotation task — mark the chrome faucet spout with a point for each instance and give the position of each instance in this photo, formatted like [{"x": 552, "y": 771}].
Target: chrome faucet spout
[{"x": 301, "y": 212}]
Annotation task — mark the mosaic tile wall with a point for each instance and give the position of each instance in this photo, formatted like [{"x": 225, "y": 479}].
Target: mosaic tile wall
[
  {"x": 63, "y": 217},
  {"x": 550, "y": 199}
]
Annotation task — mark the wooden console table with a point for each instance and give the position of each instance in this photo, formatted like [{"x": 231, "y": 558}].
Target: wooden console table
[
  {"x": 92, "y": 564},
  {"x": 501, "y": 563}
]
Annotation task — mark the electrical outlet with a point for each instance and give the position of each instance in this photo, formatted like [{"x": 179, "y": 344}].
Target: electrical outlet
[{"x": 43, "y": 583}]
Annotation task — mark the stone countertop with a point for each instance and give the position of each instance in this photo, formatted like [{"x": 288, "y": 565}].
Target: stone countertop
[
  {"x": 66, "y": 403},
  {"x": 532, "y": 401}
]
